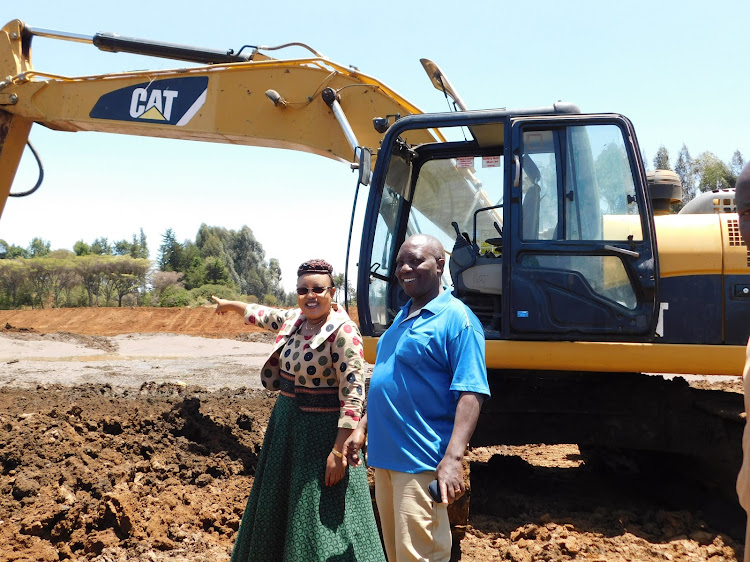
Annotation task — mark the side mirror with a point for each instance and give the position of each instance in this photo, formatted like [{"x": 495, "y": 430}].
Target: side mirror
[{"x": 365, "y": 166}]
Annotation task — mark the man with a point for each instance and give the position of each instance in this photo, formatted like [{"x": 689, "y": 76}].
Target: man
[
  {"x": 742, "y": 200},
  {"x": 427, "y": 387}
]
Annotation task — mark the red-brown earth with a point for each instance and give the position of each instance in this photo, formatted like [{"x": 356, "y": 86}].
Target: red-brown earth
[{"x": 110, "y": 457}]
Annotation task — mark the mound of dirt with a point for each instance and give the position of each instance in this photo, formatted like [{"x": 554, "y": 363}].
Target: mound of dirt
[
  {"x": 87, "y": 473},
  {"x": 113, "y": 321},
  {"x": 201, "y": 321}
]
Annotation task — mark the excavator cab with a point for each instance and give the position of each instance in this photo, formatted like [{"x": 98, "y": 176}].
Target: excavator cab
[{"x": 543, "y": 214}]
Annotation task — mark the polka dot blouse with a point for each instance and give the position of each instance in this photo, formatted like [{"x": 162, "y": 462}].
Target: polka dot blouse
[{"x": 324, "y": 372}]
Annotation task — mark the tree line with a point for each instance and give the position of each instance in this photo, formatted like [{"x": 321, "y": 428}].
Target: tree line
[
  {"x": 225, "y": 258},
  {"x": 706, "y": 172},
  {"x": 219, "y": 261}
]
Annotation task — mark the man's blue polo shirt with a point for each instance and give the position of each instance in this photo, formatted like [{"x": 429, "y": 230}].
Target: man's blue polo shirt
[{"x": 422, "y": 365}]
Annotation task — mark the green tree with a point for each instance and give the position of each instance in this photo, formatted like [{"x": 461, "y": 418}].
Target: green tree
[
  {"x": 213, "y": 242},
  {"x": 274, "y": 279},
  {"x": 107, "y": 268},
  {"x": 38, "y": 248},
  {"x": 712, "y": 173},
  {"x": 661, "y": 160},
  {"x": 128, "y": 275},
  {"x": 170, "y": 252},
  {"x": 140, "y": 248},
  {"x": 192, "y": 264},
  {"x": 14, "y": 275},
  {"x": 122, "y": 247},
  {"x": 248, "y": 258},
  {"x": 211, "y": 246},
  {"x": 63, "y": 277},
  {"x": 40, "y": 279},
  {"x": 684, "y": 168},
  {"x": 216, "y": 271},
  {"x": 195, "y": 274},
  {"x": 290, "y": 299},
  {"x": 221, "y": 256},
  {"x": 90, "y": 270},
  {"x": 101, "y": 247},
  {"x": 81, "y": 248},
  {"x": 11, "y": 251},
  {"x": 350, "y": 292},
  {"x": 737, "y": 163}
]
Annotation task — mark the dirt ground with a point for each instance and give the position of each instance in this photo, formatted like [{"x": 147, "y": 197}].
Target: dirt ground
[{"x": 132, "y": 434}]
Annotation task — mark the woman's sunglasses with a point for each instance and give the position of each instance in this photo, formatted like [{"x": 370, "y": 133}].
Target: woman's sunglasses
[{"x": 317, "y": 290}]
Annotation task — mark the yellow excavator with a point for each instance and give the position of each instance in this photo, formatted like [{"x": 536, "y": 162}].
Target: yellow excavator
[{"x": 557, "y": 237}]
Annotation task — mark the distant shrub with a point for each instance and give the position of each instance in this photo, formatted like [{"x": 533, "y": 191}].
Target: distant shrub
[
  {"x": 173, "y": 296},
  {"x": 202, "y": 295},
  {"x": 130, "y": 300},
  {"x": 76, "y": 297}
]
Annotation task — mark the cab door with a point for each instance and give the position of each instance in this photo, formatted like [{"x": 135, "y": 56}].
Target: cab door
[{"x": 582, "y": 256}]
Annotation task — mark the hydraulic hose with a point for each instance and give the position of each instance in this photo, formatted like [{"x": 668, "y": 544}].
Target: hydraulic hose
[{"x": 38, "y": 181}]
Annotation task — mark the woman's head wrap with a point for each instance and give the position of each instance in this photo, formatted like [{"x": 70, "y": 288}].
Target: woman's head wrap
[{"x": 316, "y": 266}]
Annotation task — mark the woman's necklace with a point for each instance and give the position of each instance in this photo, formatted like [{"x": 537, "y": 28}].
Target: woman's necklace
[{"x": 311, "y": 327}]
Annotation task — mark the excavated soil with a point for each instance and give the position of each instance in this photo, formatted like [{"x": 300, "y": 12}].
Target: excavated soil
[{"x": 132, "y": 434}]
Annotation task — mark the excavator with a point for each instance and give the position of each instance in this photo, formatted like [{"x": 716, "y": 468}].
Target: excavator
[{"x": 557, "y": 238}]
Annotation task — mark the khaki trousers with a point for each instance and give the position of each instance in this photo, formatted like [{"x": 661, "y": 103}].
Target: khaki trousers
[{"x": 414, "y": 527}]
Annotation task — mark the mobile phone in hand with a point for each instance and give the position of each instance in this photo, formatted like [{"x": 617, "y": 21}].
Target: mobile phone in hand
[{"x": 434, "y": 490}]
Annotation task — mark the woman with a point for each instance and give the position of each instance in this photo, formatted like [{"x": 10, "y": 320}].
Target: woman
[{"x": 305, "y": 504}]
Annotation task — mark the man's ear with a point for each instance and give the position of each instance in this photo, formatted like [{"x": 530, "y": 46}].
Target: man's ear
[{"x": 441, "y": 265}]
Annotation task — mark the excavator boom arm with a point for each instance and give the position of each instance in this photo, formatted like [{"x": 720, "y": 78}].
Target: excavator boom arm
[{"x": 290, "y": 104}]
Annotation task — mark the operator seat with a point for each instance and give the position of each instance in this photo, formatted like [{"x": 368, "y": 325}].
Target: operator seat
[{"x": 477, "y": 280}]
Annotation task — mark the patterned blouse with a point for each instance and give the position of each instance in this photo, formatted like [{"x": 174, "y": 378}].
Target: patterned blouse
[{"x": 324, "y": 372}]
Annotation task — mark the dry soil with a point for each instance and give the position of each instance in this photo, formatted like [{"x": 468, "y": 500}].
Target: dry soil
[{"x": 132, "y": 434}]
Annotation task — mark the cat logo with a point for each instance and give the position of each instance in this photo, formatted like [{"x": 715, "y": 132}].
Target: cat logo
[
  {"x": 174, "y": 101},
  {"x": 158, "y": 107}
]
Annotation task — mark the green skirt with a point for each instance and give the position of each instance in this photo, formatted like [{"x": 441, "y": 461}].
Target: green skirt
[{"x": 291, "y": 514}]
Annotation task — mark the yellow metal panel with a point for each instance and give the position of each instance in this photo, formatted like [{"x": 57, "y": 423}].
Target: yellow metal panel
[
  {"x": 236, "y": 109},
  {"x": 689, "y": 244},
  {"x": 370, "y": 344},
  {"x": 617, "y": 356},
  {"x": 13, "y": 61},
  {"x": 608, "y": 357},
  {"x": 14, "y": 132}
]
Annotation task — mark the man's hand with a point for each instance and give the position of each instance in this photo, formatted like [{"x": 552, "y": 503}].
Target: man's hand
[
  {"x": 353, "y": 446},
  {"x": 450, "y": 477},
  {"x": 450, "y": 471}
]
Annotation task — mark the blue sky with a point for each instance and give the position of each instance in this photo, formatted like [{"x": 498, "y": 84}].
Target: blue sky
[{"x": 674, "y": 68}]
